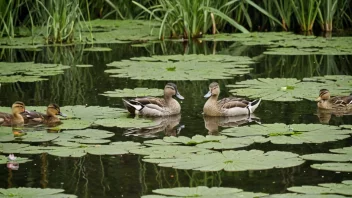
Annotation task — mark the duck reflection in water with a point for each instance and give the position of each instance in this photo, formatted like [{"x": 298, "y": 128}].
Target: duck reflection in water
[
  {"x": 170, "y": 125},
  {"x": 325, "y": 115},
  {"x": 212, "y": 123}
]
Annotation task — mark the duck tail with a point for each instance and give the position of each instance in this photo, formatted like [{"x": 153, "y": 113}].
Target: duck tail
[
  {"x": 132, "y": 106},
  {"x": 253, "y": 105}
]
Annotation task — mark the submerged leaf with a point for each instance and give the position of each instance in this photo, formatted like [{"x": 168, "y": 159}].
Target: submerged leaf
[{"x": 33, "y": 192}]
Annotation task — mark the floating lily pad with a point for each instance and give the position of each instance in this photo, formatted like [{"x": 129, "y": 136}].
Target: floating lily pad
[
  {"x": 203, "y": 191},
  {"x": 30, "y": 71},
  {"x": 344, "y": 155},
  {"x": 185, "y": 157},
  {"x": 181, "y": 67},
  {"x": 125, "y": 122},
  {"x": 5, "y": 160},
  {"x": 38, "y": 136},
  {"x": 346, "y": 126},
  {"x": 286, "y": 43},
  {"x": 74, "y": 124},
  {"x": 337, "y": 167},
  {"x": 6, "y": 134},
  {"x": 72, "y": 150},
  {"x": 19, "y": 78},
  {"x": 83, "y": 66},
  {"x": 289, "y": 134},
  {"x": 117, "y": 31},
  {"x": 88, "y": 136},
  {"x": 344, "y": 188},
  {"x": 134, "y": 92},
  {"x": 294, "y": 195},
  {"x": 209, "y": 142},
  {"x": 97, "y": 49},
  {"x": 34, "y": 192},
  {"x": 287, "y": 89}
]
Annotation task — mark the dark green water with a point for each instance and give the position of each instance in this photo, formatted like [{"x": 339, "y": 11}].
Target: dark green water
[{"x": 127, "y": 175}]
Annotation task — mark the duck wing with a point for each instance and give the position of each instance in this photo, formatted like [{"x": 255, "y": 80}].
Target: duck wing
[
  {"x": 139, "y": 103},
  {"x": 228, "y": 103},
  {"x": 342, "y": 101},
  {"x": 151, "y": 100}
]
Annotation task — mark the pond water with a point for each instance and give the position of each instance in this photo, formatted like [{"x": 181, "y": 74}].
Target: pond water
[{"x": 127, "y": 175}]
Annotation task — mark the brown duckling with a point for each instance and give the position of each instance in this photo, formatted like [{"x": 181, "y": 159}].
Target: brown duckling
[
  {"x": 50, "y": 116},
  {"x": 339, "y": 103},
  {"x": 16, "y": 118}
]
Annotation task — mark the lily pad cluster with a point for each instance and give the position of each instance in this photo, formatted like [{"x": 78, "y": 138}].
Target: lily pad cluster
[
  {"x": 181, "y": 67},
  {"x": 71, "y": 149},
  {"x": 202, "y": 191},
  {"x": 342, "y": 159},
  {"x": 103, "y": 31},
  {"x": 34, "y": 192},
  {"x": 19, "y": 160},
  {"x": 28, "y": 71},
  {"x": 343, "y": 188},
  {"x": 208, "y": 142},
  {"x": 289, "y": 134},
  {"x": 121, "y": 93},
  {"x": 291, "y": 89},
  {"x": 287, "y": 43},
  {"x": 193, "y": 158}
]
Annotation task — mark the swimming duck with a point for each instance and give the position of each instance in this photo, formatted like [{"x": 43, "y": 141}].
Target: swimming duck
[
  {"x": 339, "y": 103},
  {"x": 50, "y": 116},
  {"x": 16, "y": 118},
  {"x": 150, "y": 106},
  {"x": 226, "y": 106}
]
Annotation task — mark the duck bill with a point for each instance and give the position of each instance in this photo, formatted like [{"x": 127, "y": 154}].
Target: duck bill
[
  {"x": 178, "y": 95},
  {"x": 207, "y": 95},
  {"x": 63, "y": 115},
  {"x": 318, "y": 99}
]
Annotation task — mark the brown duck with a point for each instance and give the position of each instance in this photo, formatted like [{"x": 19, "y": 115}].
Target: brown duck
[
  {"x": 150, "y": 106},
  {"x": 16, "y": 118},
  {"x": 50, "y": 117},
  {"x": 338, "y": 103}
]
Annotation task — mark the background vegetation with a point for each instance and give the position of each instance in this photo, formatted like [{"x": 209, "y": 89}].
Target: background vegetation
[{"x": 62, "y": 21}]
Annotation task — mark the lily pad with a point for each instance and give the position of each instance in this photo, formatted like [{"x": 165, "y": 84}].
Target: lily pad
[
  {"x": 133, "y": 92},
  {"x": 72, "y": 150},
  {"x": 35, "y": 70},
  {"x": 286, "y": 43},
  {"x": 125, "y": 122},
  {"x": 181, "y": 67},
  {"x": 97, "y": 49},
  {"x": 203, "y": 191},
  {"x": 6, "y": 134},
  {"x": 295, "y": 195},
  {"x": 289, "y": 134},
  {"x": 33, "y": 192},
  {"x": 337, "y": 167},
  {"x": 88, "y": 136},
  {"x": 38, "y": 136},
  {"x": 19, "y": 160},
  {"x": 74, "y": 124},
  {"x": 344, "y": 188},
  {"x": 288, "y": 89},
  {"x": 189, "y": 158},
  {"x": 338, "y": 155},
  {"x": 209, "y": 141}
]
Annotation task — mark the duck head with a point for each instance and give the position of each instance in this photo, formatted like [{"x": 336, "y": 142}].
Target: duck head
[
  {"x": 18, "y": 107},
  {"x": 214, "y": 90},
  {"x": 171, "y": 90},
  {"x": 324, "y": 94},
  {"x": 54, "y": 109}
]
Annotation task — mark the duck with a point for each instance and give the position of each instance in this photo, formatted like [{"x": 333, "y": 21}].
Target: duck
[
  {"x": 50, "y": 117},
  {"x": 227, "y": 106},
  {"x": 16, "y": 118},
  {"x": 338, "y": 103},
  {"x": 156, "y": 107}
]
